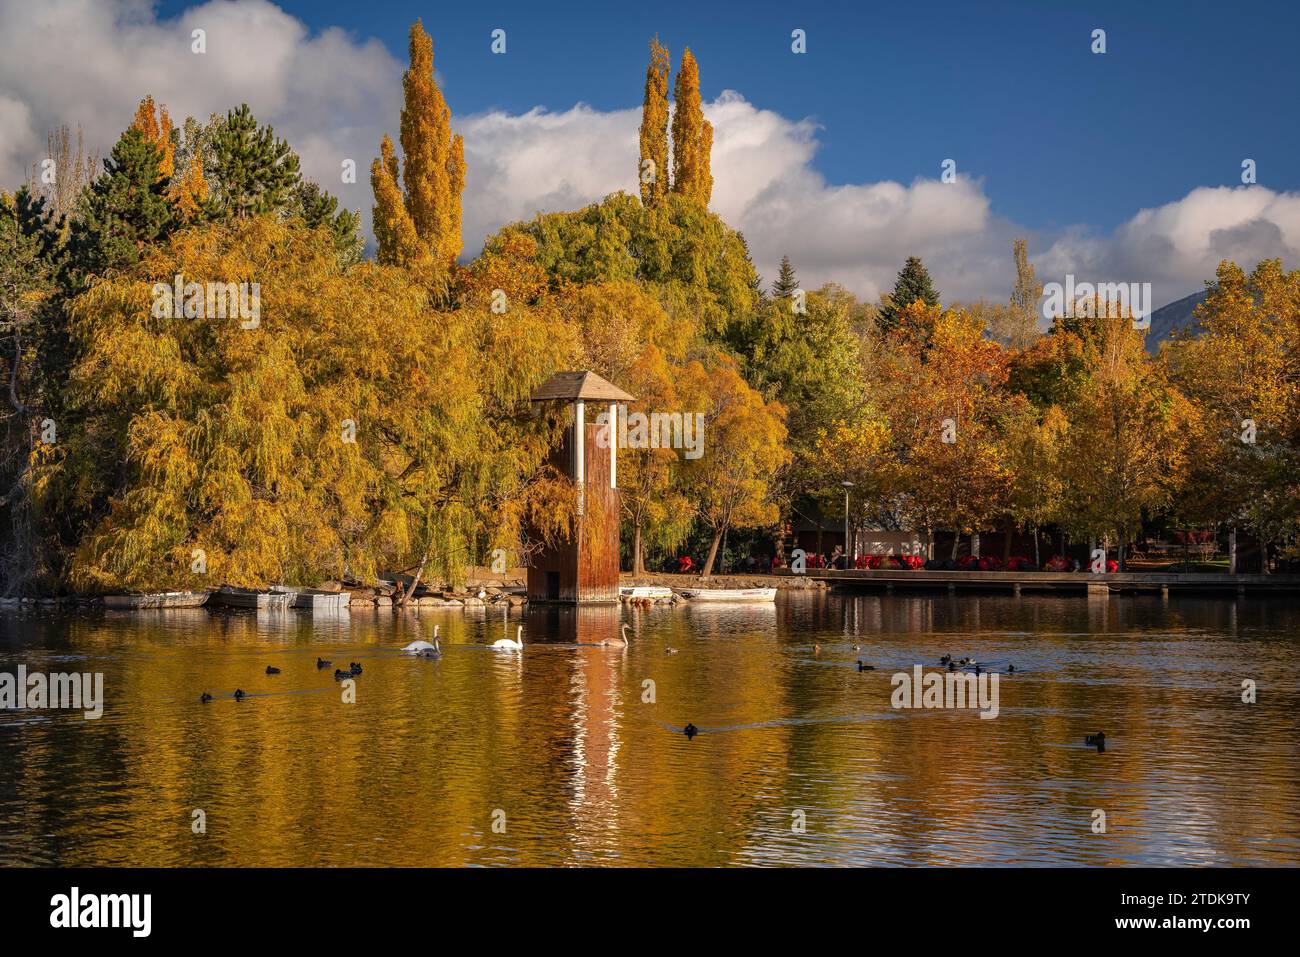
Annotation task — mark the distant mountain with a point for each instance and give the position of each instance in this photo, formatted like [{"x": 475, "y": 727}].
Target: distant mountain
[{"x": 1169, "y": 319}]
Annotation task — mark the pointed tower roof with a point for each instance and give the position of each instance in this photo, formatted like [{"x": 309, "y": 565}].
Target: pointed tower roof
[{"x": 571, "y": 386}]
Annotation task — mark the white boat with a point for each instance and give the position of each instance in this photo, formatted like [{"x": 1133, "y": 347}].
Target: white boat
[
  {"x": 162, "y": 599},
  {"x": 314, "y": 599},
  {"x": 728, "y": 594},
  {"x": 645, "y": 591},
  {"x": 251, "y": 598}
]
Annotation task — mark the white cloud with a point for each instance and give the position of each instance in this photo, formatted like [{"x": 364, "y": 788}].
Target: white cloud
[
  {"x": 90, "y": 62},
  {"x": 1177, "y": 246},
  {"x": 333, "y": 95}
]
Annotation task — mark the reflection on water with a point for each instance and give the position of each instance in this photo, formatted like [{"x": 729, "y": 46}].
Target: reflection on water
[{"x": 580, "y": 746}]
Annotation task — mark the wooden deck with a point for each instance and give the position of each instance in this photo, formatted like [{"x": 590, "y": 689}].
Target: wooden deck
[{"x": 1067, "y": 582}]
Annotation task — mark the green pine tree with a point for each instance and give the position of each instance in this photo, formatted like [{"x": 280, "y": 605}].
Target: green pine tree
[
  {"x": 913, "y": 283},
  {"x": 253, "y": 171},
  {"x": 318, "y": 208},
  {"x": 786, "y": 281},
  {"x": 122, "y": 211}
]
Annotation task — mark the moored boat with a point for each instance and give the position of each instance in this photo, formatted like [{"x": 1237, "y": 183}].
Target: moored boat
[
  {"x": 161, "y": 599},
  {"x": 316, "y": 599},
  {"x": 645, "y": 591},
  {"x": 728, "y": 594},
  {"x": 251, "y": 598}
]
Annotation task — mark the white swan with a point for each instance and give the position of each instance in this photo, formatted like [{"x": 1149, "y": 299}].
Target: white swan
[
  {"x": 511, "y": 644},
  {"x": 619, "y": 642},
  {"x": 422, "y": 647}
]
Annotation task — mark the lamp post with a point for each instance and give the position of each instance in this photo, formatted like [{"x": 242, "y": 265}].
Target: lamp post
[{"x": 848, "y": 559}]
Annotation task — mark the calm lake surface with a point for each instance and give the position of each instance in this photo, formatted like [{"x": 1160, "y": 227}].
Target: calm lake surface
[{"x": 558, "y": 741}]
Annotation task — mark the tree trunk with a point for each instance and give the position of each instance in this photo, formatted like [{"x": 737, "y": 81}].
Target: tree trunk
[
  {"x": 713, "y": 554},
  {"x": 956, "y": 542},
  {"x": 1232, "y": 551},
  {"x": 404, "y": 594},
  {"x": 975, "y": 544},
  {"x": 1037, "y": 560},
  {"x": 638, "y": 559}
]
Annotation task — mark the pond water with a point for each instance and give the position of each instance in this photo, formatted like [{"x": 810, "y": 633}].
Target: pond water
[{"x": 556, "y": 755}]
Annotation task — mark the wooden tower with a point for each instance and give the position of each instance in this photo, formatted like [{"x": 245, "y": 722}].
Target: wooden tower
[{"x": 585, "y": 568}]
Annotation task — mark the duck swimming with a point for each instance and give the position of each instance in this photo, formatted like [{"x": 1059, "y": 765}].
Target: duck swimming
[
  {"x": 322, "y": 663},
  {"x": 1097, "y": 740},
  {"x": 690, "y": 731},
  {"x": 946, "y": 660},
  {"x": 205, "y": 698},
  {"x": 862, "y": 667},
  {"x": 1011, "y": 669},
  {"x": 240, "y": 695},
  {"x": 272, "y": 670},
  {"x": 433, "y": 652},
  {"x": 340, "y": 674},
  {"x": 354, "y": 667}
]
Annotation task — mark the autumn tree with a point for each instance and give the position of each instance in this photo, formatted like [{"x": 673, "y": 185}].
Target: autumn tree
[
  {"x": 1125, "y": 451},
  {"x": 1239, "y": 370},
  {"x": 652, "y": 170},
  {"x": 692, "y": 135},
  {"x": 156, "y": 125},
  {"x": 694, "y": 263},
  {"x": 956, "y": 471},
  {"x": 744, "y": 446},
  {"x": 344, "y": 433},
  {"x": 913, "y": 284},
  {"x": 425, "y": 221}
]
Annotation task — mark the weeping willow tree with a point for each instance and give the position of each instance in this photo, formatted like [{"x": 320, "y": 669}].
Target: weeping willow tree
[{"x": 342, "y": 428}]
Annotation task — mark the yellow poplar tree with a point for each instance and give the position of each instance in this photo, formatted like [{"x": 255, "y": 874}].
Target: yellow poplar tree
[
  {"x": 434, "y": 175},
  {"x": 157, "y": 129},
  {"x": 692, "y": 135},
  {"x": 652, "y": 170},
  {"x": 188, "y": 191}
]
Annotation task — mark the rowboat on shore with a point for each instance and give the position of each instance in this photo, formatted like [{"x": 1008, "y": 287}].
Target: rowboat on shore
[
  {"x": 645, "y": 591},
  {"x": 251, "y": 598},
  {"x": 728, "y": 594},
  {"x": 161, "y": 599},
  {"x": 316, "y": 599}
]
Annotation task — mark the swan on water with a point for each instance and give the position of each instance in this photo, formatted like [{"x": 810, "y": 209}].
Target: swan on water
[
  {"x": 422, "y": 647},
  {"x": 620, "y": 642},
  {"x": 511, "y": 644}
]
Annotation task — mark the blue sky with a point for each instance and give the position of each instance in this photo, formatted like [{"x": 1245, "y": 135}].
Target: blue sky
[
  {"x": 1185, "y": 91},
  {"x": 1115, "y": 167}
]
